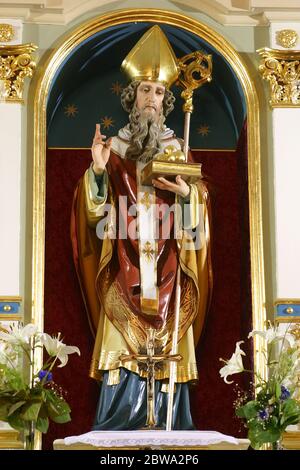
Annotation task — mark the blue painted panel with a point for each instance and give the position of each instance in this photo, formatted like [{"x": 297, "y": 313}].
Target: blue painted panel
[
  {"x": 14, "y": 308},
  {"x": 283, "y": 310}
]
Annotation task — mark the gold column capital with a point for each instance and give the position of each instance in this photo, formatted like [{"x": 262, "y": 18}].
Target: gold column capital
[
  {"x": 16, "y": 63},
  {"x": 282, "y": 69}
]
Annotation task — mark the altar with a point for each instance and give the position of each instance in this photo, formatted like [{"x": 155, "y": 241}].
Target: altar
[{"x": 151, "y": 439}]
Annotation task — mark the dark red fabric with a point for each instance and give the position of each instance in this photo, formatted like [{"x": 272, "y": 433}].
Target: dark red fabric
[
  {"x": 64, "y": 307},
  {"x": 229, "y": 318}
]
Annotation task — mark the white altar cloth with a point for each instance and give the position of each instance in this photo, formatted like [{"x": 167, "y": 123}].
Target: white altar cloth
[{"x": 154, "y": 439}]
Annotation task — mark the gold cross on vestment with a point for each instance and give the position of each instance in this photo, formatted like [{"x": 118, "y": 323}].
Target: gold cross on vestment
[
  {"x": 146, "y": 200},
  {"x": 148, "y": 251}
]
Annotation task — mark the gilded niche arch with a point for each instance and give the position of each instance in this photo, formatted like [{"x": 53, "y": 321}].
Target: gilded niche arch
[{"x": 42, "y": 86}]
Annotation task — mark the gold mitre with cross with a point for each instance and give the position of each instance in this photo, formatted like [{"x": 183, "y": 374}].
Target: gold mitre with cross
[{"x": 152, "y": 58}]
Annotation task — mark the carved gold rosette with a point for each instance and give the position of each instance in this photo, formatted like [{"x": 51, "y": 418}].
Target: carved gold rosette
[
  {"x": 287, "y": 38},
  {"x": 16, "y": 63},
  {"x": 282, "y": 70},
  {"x": 6, "y": 32}
]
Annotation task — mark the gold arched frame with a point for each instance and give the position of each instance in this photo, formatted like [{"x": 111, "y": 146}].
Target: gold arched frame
[{"x": 42, "y": 85}]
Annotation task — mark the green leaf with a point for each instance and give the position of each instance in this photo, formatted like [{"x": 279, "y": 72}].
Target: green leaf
[
  {"x": 52, "y": 410},
  {"x": 277, "y": 391},
  {"x": 31, "y": 411},
  {"x": 57, "y": 406},
  {"x": 16, "y": 422},
  {"x": 42, "y": 424},
  {"x": 291, "y": 420},
  {"x": 273, "y": 421},
  {"x": 258, "y": 436},
  {"x": 4, "y": 409},
  {"x": 247, "y": 411},
  {"x": 65, "y": 418},
  {"x": 290, "y": 413},
  {"x": 43, "y": 411},
  {"x": 14, "y": 407},
  {"x": 64, "y": 407},
  {"x": 291, "y": 407}
]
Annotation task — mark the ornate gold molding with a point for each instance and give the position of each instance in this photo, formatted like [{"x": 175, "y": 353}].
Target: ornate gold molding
[
  {"x": 287, "y": 38},
  {"x": 282, "y": 70},
  {"x": 15, "y": 64},
  {"x": 6, "y": 32}
]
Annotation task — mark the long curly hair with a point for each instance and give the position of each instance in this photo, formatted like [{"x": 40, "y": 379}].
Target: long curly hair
[{"x": 128, "y": 97}]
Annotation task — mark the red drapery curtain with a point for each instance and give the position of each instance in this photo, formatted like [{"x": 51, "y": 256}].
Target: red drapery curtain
[{"x": 229, "y": 318}]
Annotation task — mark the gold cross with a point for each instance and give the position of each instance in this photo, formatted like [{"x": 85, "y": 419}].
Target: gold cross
[
  {"x": 146, "y": 200},
  {"x": 148, "y": 251},
  {"x": 149, "y": 360}
]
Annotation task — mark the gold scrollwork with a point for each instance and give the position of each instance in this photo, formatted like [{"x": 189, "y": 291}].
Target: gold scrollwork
[
  {"x": 15, "y": 64},
  {"x": 6, "y": 32},
  {"x": 196, "y": 69},
  {"x": 282, "y": 70},
  {"x": 287, "y": 38}
]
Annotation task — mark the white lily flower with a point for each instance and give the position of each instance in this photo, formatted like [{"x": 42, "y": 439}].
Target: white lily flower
[
  {"x": 19, "y": 334},
  {"x": 56, "y": 348},
  {"x": 272, "y": 335},
  {"x": 234, "y": 365}
]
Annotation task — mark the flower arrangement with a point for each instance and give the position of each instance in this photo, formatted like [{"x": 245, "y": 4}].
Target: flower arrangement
[
  {"x": 275, "y": 404},
  {"x": 29, "y": 400}
]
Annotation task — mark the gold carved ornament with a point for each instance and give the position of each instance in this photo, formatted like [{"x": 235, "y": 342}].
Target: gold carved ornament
[
  {"x": 6, "y": 32},
  {"x": 16, "y": 63},
  {"x": 282, "y": 70},
  {"x": 196, "y": 69},
  {"x": 287, "y": 38}
]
